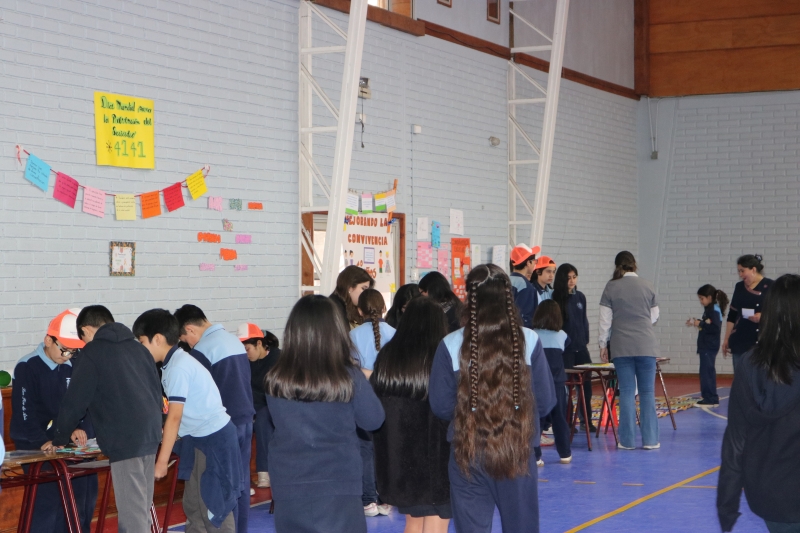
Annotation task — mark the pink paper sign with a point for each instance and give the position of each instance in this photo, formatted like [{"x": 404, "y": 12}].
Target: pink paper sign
[
  {"x": 443, "y": 264},
  {"x": 215, "y": 203},
  {"x": 66, "y": 189},
  {"x": 243, "y": 239},
  {"x": 240, "y": 267},
  {"x": 94, "y": 202},
  {"x": 424, "y": 255},
  {"x": 207, "y": 266}
]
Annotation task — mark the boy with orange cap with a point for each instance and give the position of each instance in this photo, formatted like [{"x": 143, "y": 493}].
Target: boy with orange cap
[
  {"x": 523, "y": 263},
  {"x": 40, "y": 382}
]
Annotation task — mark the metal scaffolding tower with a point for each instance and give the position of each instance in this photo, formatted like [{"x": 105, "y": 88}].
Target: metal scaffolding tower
[
  {"x": 544, "y": 154},
  {"x": 310, "y": 173}
]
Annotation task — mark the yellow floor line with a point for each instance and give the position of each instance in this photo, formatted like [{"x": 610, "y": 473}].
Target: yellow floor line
[{"x": 643, "y": 499}]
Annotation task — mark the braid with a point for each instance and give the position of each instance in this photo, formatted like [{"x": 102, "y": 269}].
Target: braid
[
  {"x": 473, "y": 346},
  {"x": 376, "y": 329},
  {"x": 512, "y": 318}
]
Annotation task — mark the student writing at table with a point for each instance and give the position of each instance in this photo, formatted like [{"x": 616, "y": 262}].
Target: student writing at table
[{"x": 40, "y": 382}]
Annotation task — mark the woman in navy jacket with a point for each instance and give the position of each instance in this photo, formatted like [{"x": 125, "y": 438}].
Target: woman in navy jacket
[{"x": 494, "y": 422}]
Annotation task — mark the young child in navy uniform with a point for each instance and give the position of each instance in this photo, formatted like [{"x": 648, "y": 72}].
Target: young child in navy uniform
[
  {"x": 41, "y": 379},
  {"x": 523, "y": 263},
  {"x": 209, "y": 445},
  {"x": 709, "y": 328},
  {"x": 225, "y": 357},
  {"x": 547, "y": 325},
  {"x": 495, "y": 425},
  {"x": 368, "y": 339},
  {"x": 317, "y": 397}
]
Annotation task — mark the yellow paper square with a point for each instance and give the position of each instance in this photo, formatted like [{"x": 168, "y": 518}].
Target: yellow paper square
[
  {"x": 197, "y": 185},
  {"x": 125, "y": 206},
  {"x": 124, "y": 131}
]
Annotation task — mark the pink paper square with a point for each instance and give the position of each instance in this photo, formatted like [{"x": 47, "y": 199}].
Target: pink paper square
[
  {"x": 94, "y": 202},
  {"x": 66, "y": 189},
  {"x": 243, "y": 239}
]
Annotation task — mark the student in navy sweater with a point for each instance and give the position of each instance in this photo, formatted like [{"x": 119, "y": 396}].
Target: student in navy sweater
[
  {"x": 317, "y": 397},
  {"x": 196, "y": 415},
  {"x": 225, "y": 357},
  {"x": 709, "y": 326},
  {"x": 543, "y": 275},
  {"x": 745, "y": 312},
  {"x": 494, "y": 406},
  {"x": 547, "y": 325},
  {"x": 523, "y": 263},
  {"x": 262, "y": 352},
  {"x": 40, "y": 382},
  {"x": 576, "y": 325}
]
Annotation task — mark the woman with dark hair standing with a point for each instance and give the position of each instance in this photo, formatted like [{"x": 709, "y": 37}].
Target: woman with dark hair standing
[
  {"x": 263, "y": 350},
  {"x": 352, "y": 281},
  {"x": 628, "y": 310},
  {"x": 436, "y": 287},
  {"x": 745, "y": 312},
  {"x": 494, "y": 405},
  {"x": 317, "y": 395},
  {"x": 402, "y": 297},
  {"x": 411, "y": 448},
  {"x": 572, "y": 303},
  {"x": 762, "y": 440}
]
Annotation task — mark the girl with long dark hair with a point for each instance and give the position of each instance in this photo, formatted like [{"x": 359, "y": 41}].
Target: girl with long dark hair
[
  {"x": 350, "y": 283},
  {"x": 368, "y": 339},
  {"x": 411, "y": 448},
  {"x": 317, "y": 395},
  {"x": 572, "y": 303},
  {"x": 762, "y": 440},
  {"x": 708, "y": 328},
  {"x": 494, "y": 405},
  {"x": 741, "y": 331},
  {"x": 402, "y": 297},
  {"x": 436, "y": 287},
  {"x": 263, "y": 350}
]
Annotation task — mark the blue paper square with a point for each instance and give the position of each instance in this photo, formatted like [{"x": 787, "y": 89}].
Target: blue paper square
[{"x": 37, "y": 172}]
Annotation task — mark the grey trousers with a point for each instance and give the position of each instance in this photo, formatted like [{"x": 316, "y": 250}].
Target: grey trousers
[
  {"x": 133, "y": 490},
  {"x": 196, "y": 511}
]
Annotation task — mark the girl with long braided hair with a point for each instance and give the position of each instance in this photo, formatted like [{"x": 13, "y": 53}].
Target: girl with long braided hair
[
  {"x": 494, "y": 406},
  {"x": 368, "y": 339}
]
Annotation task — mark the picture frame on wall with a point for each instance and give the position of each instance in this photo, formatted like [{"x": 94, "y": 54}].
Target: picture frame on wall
[
  {"x": 493, "y": 11},
  {"x": 122, "y": 258},
  {"x": 448, "y": 3}
]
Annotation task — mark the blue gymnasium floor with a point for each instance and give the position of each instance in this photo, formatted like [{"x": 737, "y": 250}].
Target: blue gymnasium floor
[{"x": 607, "y": 481}]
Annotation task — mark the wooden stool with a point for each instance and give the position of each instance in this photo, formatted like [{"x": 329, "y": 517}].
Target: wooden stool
[{"x": 575, "y": 381}]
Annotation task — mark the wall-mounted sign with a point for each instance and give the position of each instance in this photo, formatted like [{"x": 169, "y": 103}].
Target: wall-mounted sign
[{"x": 124, "y": 131}]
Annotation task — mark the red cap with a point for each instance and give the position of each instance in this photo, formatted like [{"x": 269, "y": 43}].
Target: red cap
[
  {"x": 249, "y": 331},
  {"x": 521, "y": 253},
  {"x": 544, "y": 262},
  {"x": 64, "y": 328}
]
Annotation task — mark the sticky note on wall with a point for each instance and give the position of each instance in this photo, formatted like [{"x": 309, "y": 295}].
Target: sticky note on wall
[
  {"x": 197, "y": 185},
  {"x": 256, "y": 206},
  {"x": 207, "y": 266},
  {"x": 227, "y": 254},
  {"x": 215, "y": 203},
  {"x": 209, "y": 237},
  {"x": 243, "y": 239}
]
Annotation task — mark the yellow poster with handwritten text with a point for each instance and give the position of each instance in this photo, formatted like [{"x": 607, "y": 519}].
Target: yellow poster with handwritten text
[{"x": 124, "y": 131}]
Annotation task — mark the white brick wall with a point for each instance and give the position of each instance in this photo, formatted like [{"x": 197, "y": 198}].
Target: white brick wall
[
  {"x": 732, "y": 189},
  {"x": 224, "y": 81}
]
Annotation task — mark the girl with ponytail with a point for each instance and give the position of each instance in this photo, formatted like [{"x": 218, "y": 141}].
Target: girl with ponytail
[
  {"x": 494, "y": 407},
  {"x": 709, "y": 326},
  {"x": 368, "y": 339}
]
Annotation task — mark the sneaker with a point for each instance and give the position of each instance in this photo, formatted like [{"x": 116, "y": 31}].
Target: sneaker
[
  {"x": 384, "y": 509},
  {"x": 706, "y": 403},
  {"x": 263, "y": 480},
  {"x": 621, "y": 447},
  {"x": 371, "y": 509},
  {"x": 652, "y": 446},
  {"x": 548, "y": 432},
  {"x": 566, "y": 460},
  {"x": 547, "y": 441},
  {"x": 252, "y": 491},
  {"x": 540, "y": 462}
]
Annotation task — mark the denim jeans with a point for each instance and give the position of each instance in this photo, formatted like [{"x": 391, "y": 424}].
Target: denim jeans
[{"x": 630, "y": 371}]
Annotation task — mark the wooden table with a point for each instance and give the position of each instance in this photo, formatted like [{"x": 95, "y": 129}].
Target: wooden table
[{"x": 63, "y": 474}]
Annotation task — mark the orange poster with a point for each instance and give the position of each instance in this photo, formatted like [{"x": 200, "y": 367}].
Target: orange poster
[{"x": 462, "y": 262}]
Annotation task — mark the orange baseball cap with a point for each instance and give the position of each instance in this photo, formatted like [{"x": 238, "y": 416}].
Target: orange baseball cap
[
  {"x": 544, "y": 262},
  {"x": 522, "y": 252},
  {"x": 249, "y": 331},
  {"x": 64, "y": 328}
]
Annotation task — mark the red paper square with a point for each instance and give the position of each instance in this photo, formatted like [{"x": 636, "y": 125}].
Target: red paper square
[
  {"x": 66, "y": 189},
  {"x": 173, "y": 197}
]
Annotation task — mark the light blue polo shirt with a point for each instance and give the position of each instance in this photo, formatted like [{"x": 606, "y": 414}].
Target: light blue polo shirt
[
  {"x": 364, "y": 340},
  {"x": 186, "y": 381}
]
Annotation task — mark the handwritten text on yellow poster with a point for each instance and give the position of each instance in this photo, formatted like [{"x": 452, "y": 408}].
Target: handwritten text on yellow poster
[{"x": 124, "y": 130}]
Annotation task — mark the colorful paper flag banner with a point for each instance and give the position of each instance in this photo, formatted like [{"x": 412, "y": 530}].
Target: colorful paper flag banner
[
  {"x": 173, "y": 197},
  {"x": 66, "y": 190},
  {"x": 125, "y": 206},
  {"x": 94, "y": 201},
  {"x": 37, "y": 172},
  {"x": 197, "y": 184},
  {"x": 151, "y": 204}
]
